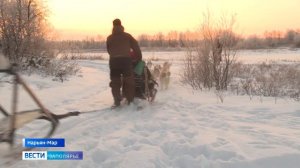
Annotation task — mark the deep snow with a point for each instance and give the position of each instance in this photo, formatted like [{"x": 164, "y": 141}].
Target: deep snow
[{"x": 183, "y": 128}]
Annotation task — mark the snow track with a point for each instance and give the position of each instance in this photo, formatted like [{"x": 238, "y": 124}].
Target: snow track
[{"x": 180, "y": 129}]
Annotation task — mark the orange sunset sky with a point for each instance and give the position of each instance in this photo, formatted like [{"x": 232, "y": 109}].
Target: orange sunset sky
[{"x": 77, "y": 19}]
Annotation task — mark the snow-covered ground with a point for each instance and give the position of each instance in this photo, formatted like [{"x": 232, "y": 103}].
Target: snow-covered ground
[
  {"x": 182, "y": 128},
  {"x": 245, "y": 56}
]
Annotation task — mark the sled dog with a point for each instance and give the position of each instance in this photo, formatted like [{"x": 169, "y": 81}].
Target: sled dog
[{"x": 165, "y": 75}]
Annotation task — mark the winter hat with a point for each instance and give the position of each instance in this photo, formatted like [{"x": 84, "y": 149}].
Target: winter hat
[{"x": 117, "y": 22}]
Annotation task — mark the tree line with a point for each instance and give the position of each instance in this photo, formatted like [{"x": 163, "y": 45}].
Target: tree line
[{"x": 179, "y": 40}]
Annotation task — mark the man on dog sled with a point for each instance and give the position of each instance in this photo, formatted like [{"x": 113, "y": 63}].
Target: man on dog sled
[{"x": 119, "y": 46}]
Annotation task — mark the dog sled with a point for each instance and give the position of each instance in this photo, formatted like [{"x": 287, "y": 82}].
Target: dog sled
[
  {"x": 13, "y": 120},
  {"x": 145, "y": 85}
]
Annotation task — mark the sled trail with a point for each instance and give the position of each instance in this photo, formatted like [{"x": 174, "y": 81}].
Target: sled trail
[{"x": 180, "y": 128}]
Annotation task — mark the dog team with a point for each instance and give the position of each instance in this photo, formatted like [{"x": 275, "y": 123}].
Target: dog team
[{"x": 161, "y": 73}]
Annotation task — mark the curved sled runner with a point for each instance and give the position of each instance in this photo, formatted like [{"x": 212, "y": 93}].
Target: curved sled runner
[{"x": 17, "y": 119}]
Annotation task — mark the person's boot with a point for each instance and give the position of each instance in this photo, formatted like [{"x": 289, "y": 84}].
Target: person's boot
[
  {"x": 116, "y": 104},
  {"x": 129, "y": 102},
  {"x": 129, "y": 86},
  {"x": 115, "y": 85}
]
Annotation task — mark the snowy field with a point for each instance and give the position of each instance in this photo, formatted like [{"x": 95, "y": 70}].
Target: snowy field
[
  {"x": 181, "y": 129},
  {"x": 246, "y": 56}
]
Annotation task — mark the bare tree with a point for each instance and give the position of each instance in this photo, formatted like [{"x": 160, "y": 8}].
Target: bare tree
[
  {"x": 23, "y": 31},
  {"x": 214, "y": 56}
]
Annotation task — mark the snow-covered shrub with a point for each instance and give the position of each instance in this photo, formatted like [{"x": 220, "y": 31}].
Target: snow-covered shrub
[
  {"x": 196, "y": 70},
  {"x": 61, "y": 69},
  {"x": 270, "y": 80},
  {"x": 72, "y": 53}
]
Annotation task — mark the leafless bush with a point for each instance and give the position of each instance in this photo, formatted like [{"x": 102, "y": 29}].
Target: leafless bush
[
  {"x": 73, "y": 52},
  {"x": 210, "y": 63},
  {"x": 247, "y": 86},
  {"x": 220, "y": 95},
  {"x": 86, "y": 57},
  {"x": 61, "y": 69},
  {"x": 194, "y": 73},
  {"x": 58, "y": 68}
]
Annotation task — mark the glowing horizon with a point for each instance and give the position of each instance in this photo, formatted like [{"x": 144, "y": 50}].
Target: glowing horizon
[{"x": 77, "y": 19}]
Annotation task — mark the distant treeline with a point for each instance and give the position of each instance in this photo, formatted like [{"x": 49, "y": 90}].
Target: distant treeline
[
  {"x": 177, "y": 40},
  {"x": 271, "y": 39}
]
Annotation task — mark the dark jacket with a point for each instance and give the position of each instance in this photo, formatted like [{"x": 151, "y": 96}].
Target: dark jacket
[{"x": 119, "y": 44}]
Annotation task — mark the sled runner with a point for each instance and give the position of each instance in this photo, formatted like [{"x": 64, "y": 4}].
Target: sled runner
[{"x": 17, "y": 119}]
